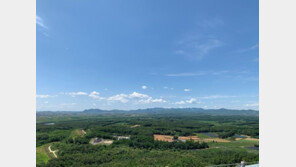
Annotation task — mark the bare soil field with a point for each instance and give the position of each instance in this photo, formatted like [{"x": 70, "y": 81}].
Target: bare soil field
[
  {"x": 168, "y": 138},
  {"x": 83, "y": 132},
  {"x": 251, "y": 139},
  {"x": 134, "y": 126},
  {"x": 195, "y": 138},
  {"x": 103, "y": 141}
]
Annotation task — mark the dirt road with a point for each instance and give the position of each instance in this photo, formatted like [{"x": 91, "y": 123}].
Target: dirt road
[{"x": 53, "y": 152}]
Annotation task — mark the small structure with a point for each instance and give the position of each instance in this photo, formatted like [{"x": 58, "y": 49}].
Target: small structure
[
  {"x": 97, "y": 140},
  {"x": 243, "y": 164},
  {"x": 123, "y": 137}
]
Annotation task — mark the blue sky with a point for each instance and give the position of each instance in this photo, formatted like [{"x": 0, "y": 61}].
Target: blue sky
[{"x": 141, "y": 54}]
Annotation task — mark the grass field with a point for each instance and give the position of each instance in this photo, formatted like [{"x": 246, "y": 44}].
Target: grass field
[
  {"x": 77, "y": 133},
  {"x": 41, "y": 155},
  {"x": 234, "y": 144}
]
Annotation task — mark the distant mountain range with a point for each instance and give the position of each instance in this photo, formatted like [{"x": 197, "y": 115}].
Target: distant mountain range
[{"x": 158, "y": 111}]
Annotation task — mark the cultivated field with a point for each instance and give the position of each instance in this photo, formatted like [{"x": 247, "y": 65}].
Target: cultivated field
[{"x": 168, "y": 138}]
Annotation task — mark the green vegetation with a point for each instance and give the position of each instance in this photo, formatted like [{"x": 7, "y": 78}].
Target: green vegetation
[
  {"x": 74, "y": 148},
  {"x": 41, "y": 155}
]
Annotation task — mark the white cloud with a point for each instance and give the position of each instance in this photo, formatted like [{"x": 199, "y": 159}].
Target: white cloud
[
  {"x": 43, "y": 96},
  {"x": 151, "y": 100},
  {"x": 199, "y": 73},
  {"x": 137, "y": 95},
  {"x": 216, "y": 97},
  {"x": 190, "y": 101},
  {"x": 120, "y": 97},
  {"x": 74, "y": 94},
  {"x": 144, "y": 87},
  {"x": 81, "y": 93},
  {"x": 95, "y": 95},
  {"x": 180, "y": 102},
  {"x": 165, "y": 87},
  {"x": 187, "y": 90},
  {"x": 158, "y": 101},
  {"x": 252, "y": 105}
]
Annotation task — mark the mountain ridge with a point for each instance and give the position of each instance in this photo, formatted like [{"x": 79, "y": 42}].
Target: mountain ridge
[{"x": 221, "y": 111}]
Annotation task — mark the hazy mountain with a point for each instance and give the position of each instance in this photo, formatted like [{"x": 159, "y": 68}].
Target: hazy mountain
[{"x": 161, "y": 111}]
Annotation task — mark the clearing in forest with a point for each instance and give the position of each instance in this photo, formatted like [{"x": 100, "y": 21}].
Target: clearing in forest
[
  {"x": 41, "y": 155},
  {"x": 95, "y": 141},
  {"x": 168, "y": 138},
  {"x": 134, "y": 126},
  {"x": 77, "y": 132}
]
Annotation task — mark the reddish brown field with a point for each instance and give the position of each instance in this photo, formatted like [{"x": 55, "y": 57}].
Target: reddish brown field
[
  {"x": 195, "y": 138},
  {"x": 164, "y": 138}
]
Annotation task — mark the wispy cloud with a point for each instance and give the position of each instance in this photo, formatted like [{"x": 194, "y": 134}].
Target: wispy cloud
[
  {"x": 187, "y": 74},
  {"x": 211, "y": 23},
  {"x": 251, "y": 48},
  {"x": 199, "y": 73},
  {"x": 198, "y": 44},
  {"x": 196, "y": 47},
  {"x": 74, "y": 94},
  {"x": 252, "y": 105},
  {"x": 151, "y": 100},
  {"x": 165, "y": 87},
  {"x": 43, "y": 96},
  {"x": 216, "y": 97},
  {"x": 187, "y": 90},
  {"x": 42, "y": 27},
  {"x": 67, "y": 104},
  {"x": 40, "y": 22}
]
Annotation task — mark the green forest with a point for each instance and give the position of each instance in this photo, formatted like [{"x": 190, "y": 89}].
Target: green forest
[{"x": 192, "y": 139}]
